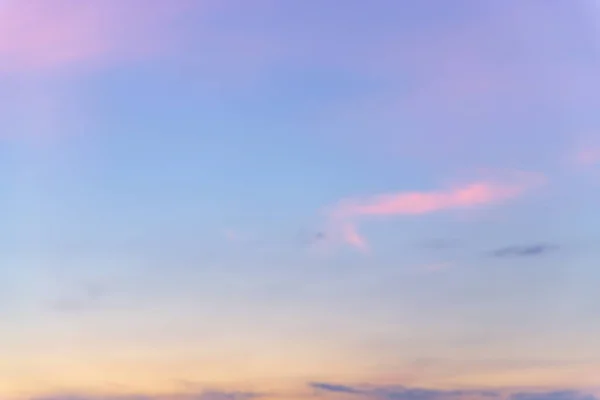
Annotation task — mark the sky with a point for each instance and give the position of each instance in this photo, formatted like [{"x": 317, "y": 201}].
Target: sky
[{"x": 317, "y": 199}]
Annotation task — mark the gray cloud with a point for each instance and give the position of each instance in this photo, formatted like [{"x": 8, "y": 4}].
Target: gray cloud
[
  {"x": 406, "y": 393},
  {"x": 331, "y": 387},
  {"x": 524, "y": 250},
  {"x": 401, "y": 392},
  {"x": 218, "y": 395},
  {"x": 557, "y": 395}
]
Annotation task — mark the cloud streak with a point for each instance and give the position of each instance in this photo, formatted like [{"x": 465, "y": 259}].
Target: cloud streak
[
  {"x": 332, "y": 387},
  {"x": 524, "y": 250},
  {"x": 471, "y": 195},
  {"x": 352, "y": 237},
  {"x": 402, "y": 393},
  {"x": 418, "y": 203},
  {"x": 408, "y": 393}
]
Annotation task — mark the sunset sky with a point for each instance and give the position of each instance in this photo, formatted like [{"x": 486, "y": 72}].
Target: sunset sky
[{"x": 300, "y": 199}]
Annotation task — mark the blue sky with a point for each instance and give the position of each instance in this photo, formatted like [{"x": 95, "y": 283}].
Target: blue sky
[{"x": 226, "y": 199}]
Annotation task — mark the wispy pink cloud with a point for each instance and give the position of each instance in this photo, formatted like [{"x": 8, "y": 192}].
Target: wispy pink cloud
[
  {"x": 471, "y": 195},
  {"x": 46, "y": 34},
  {"x": 588, "y": 156},
  {"x": 415, "y": 203},
  {"x": 351, "y": 236}
]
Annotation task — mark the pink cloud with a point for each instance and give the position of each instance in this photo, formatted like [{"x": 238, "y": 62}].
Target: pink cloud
[
  {"x": 46, "y": 34},
  {"x": 472, "y": 195},
  {"x": 415, "y": 203},
  {"x": 588, "y": 157},
  {"x": 351, "y": 236}
]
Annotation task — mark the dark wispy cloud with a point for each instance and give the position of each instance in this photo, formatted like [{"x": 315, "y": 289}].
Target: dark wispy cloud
[
  {"x": 401, "y": 392},
  {"x": 407, "y": 393},
  {"x": 218, "y": 395},
  {"x": 556, "y": 395},
  {"x": 332, "y": 387},
  {"x": 530, "y": 250}
]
